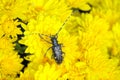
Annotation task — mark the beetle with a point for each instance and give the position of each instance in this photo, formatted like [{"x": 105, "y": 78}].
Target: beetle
[
  {"x": 56, "y": 47},
  {"x": 57, "y": 50}
]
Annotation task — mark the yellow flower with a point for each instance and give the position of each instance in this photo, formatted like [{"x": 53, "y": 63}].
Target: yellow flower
[
  {"x": 106, "y": 9},
  {"x": 76, "y": 72},
  {"x": 56, "y": 8},
  {"x": 10, "y": 62},
  {"x": 74, "y": 25},
  {"x": 6, "y": 44},
  {"x": 94, "y": 3},
  {"x": 115, "y": 49},
  {"x": 13, "y": 8},
  {"x": 114, "y": 74},
  {"x": 27, "y": 75},
  {"x": 100, "y": 67},
  {"x": 49, "y": 26},
  {"x": 3, "y": 77},
  {"x": 94, "y": 34},
  {"x": 113, "y": 5},
  {"x": 81, "y": 4},
  {"x": 9, "y": 28},
  {"x": 94, "y": 43},
  {"x": 48, "y": 72}
]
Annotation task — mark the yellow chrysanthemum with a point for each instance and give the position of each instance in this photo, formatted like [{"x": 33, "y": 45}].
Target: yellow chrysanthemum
[
  {"x": 81, "y": 4},
  {"x": 48, "y": 72},
  {"x": 6, "y": 44},
  {"x": 28, "y": 74},
  {"x": 90, "y": 42},
  {"x": 10, "y": 62},
  {"x": 76, "y": 72},
  {"x": 106, "y": 15},
  {"x": 49, "y": 26},
  {"x": 94, "y": 3},
  {"x": 74, "y": 25},
  {"x": 99, "y": 65},
  {"x": 115, "y": 73},
  {"x": 115, "y": 50},
  {"x": 106, "y": 9},
  {"x": 3, "y": 77},
  {"x": 94, "y": 43},
  {"x": 13, "y": 8},
  {"x": 94, "y": 33},
  {"x": 56, "y": 8},
  {"x": 111, "y": 4},
  {"x": 8, "y": 28}
]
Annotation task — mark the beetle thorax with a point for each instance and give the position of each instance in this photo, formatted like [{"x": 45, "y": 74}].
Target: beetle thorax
[{"x": 54, "y": 41}]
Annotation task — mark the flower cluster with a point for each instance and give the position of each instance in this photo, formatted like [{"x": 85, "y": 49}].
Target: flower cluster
[{"x": 87, "y": 32}]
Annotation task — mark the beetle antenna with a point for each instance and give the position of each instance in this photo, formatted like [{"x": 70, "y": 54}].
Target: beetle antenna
[{"x": 63, "y": 24}]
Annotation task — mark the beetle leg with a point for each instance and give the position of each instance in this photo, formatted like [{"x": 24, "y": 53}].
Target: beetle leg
[
  {"x": 47, "y": 51},
  {"x": 52, "y": 56},
  {"x": 44, "y": 39}
]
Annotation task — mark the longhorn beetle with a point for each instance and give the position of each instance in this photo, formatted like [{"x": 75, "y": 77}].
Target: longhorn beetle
[{"x": 56, "y": 47}]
